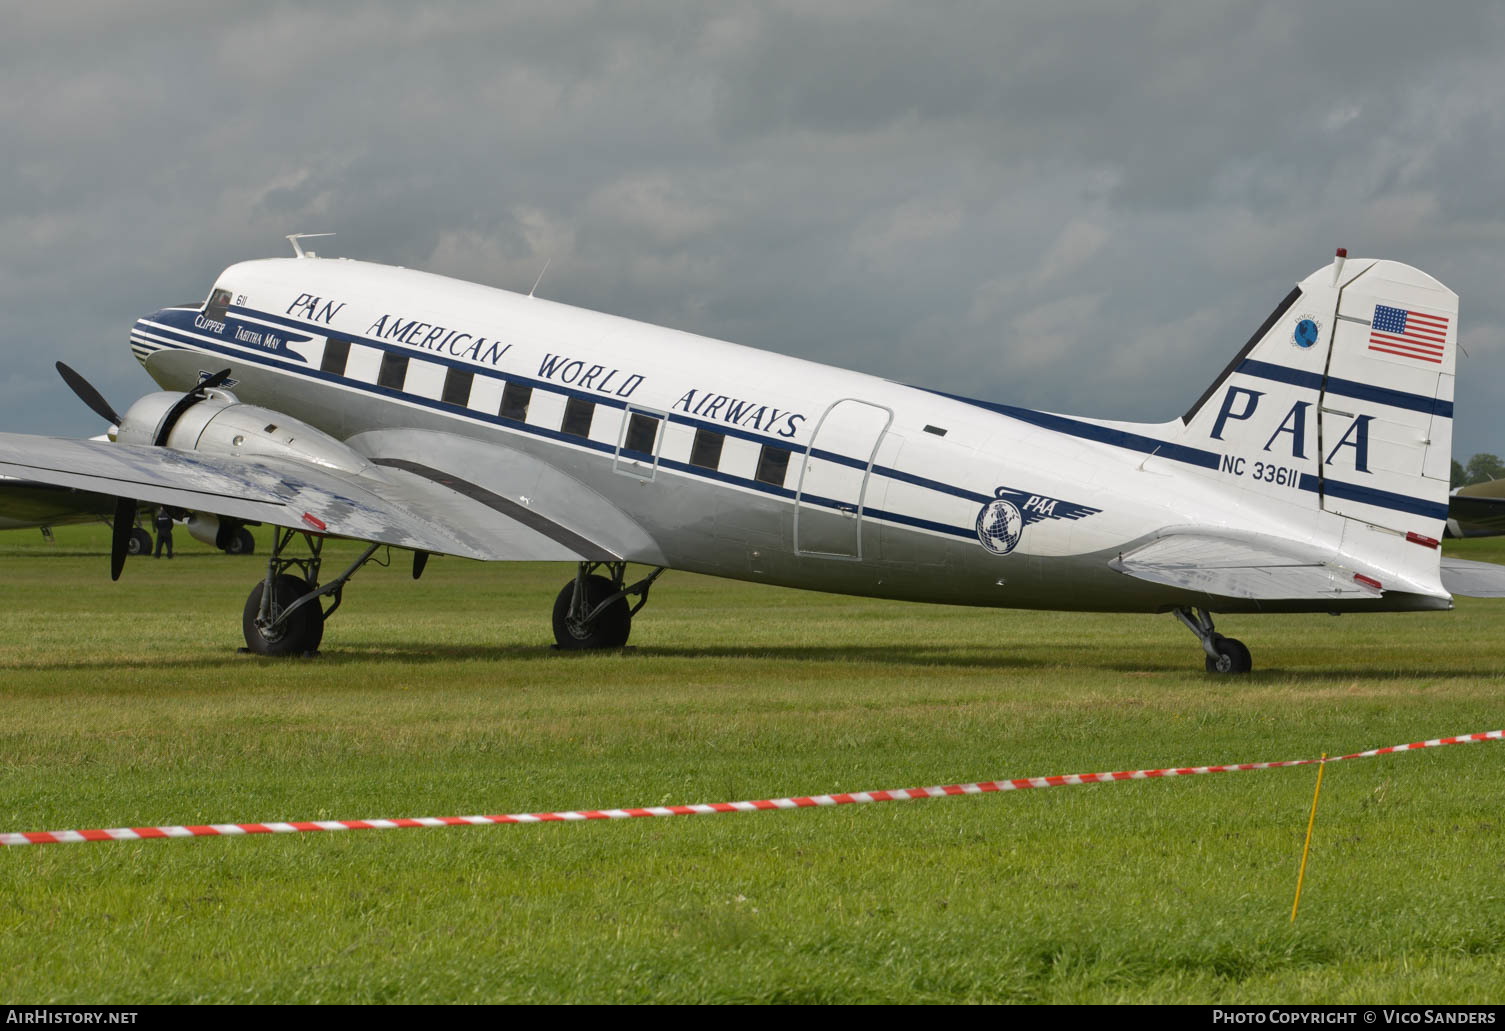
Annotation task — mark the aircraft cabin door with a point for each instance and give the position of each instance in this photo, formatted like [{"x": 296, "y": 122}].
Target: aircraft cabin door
[{"x": 834, "y": 479}]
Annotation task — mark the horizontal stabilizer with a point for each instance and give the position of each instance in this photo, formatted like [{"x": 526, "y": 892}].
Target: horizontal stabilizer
[
  {"x": 1233, "y": 567},
  {"x": 1473, "y": 579}
]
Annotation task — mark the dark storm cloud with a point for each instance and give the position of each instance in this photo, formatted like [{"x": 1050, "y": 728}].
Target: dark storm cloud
[{"x": 1083, "y": 207}]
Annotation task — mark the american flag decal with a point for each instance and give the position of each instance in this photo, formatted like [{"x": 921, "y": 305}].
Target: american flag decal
[{"x": 1409, "y": 334}]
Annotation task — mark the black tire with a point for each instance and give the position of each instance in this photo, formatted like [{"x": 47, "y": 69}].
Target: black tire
[
  {"x": 299, "y": 634},
  {"x": 611, "y": 627},
  {"x": 242, "y": 542},
  {"x": 140, "y": 542},
  {"x": 1233, "y": 657}
]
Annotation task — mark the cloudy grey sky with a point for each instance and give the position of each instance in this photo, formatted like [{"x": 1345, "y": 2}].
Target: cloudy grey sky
[{"x": 1083, "y": 207}]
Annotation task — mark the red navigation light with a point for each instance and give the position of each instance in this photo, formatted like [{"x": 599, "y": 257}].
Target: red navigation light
[{"x": 1342, "y": 252}]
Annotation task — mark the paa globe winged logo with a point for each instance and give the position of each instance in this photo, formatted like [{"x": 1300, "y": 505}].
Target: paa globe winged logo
[{"x": 1001, "y": 522}]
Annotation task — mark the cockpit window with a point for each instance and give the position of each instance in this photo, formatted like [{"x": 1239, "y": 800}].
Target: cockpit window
[{"x": 219, "y": 300}]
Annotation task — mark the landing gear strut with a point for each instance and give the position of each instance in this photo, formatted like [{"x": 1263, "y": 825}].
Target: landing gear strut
[
  {"x": 1224, "y": 654},
  {"x": 283, "y": 615},
  {"x": 593, "y": 612}
]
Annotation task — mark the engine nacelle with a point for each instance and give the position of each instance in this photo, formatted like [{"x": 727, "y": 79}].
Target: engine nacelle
[
  {"x": 204, "y": 528},
  {"x": 220, "y": 424}
]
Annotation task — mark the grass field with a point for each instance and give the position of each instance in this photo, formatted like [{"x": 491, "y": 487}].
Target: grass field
[{"x": 125, "y": 704}]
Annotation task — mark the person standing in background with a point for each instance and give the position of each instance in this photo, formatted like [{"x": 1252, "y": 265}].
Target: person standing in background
[{"x": 164, "y": 532}]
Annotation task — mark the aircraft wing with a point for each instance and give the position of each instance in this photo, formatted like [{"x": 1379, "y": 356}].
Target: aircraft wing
[
  {"x": 26, "y": 503},
  {"x": 1240, "y": 567},
  {"x": 390, "y": 506},
  {"x": 1473, "y": 579}
]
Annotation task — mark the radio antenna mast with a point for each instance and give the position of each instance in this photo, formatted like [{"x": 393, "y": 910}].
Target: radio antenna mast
[
  {"x": 298, "y": 250},
  {"x": 540, "y": 275}
]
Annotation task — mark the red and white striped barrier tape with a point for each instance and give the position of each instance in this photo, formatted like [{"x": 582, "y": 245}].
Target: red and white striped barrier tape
[{"x": 804, "y": 802}]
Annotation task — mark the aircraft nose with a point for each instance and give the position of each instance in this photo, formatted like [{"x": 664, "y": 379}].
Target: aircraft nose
[
  {"x": 142, "y": 346},
  {"x": 151, "y": 333}
]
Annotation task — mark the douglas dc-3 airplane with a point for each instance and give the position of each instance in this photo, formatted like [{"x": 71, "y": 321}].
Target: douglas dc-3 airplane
[{"x": 337, "y": 398}]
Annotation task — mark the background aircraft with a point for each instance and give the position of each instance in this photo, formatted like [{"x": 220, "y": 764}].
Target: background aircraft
[
  {"x": 1477, "y": 510},
  {"x": 341, "y": 398}
]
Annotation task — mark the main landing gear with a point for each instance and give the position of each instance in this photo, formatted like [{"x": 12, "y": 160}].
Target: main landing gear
[
  {"x": 1224, "y": 654},
  {"x": 283, "y": 615},
  {"x": 240, "y": 542},
  {"x": 593, "y": 612}
]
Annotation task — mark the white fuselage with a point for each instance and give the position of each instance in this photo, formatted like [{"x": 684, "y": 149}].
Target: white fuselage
[{"x": 882, "y": 489}]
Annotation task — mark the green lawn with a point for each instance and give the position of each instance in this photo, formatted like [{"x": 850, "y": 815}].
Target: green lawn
[{"x": 126, "y": 704}]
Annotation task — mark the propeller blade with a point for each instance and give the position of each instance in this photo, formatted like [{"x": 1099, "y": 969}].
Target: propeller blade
[
  {"x": 87, "y": 394},
  {"x": 420, "y": 559},
  {"x": 215, "y": 380},
  {"x": 125, "y": 519}
]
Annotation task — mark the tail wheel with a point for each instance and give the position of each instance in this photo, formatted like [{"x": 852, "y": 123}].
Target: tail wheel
[
  {"x": 608, "y": 630},
  {"x": 301, "y": 632}
]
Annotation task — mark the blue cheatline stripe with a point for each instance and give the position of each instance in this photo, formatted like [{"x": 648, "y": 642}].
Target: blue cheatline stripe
[
  {"x": 1280, "y": 374},
  {"x": 1373, "y": 496},
  {"x": 1092, "y": 431},
  {"x": 407, "y": 350},
  {"x": 729, "y": 429},
  {"x": 559, "y": 436},
  {"x": 1385, "y": 499},
  {"x": 1349, "y": 388},
  {"x": 1395, "y": 398},
  {"x": 283, "y": 322},
  {"x": 1207, "y": 459},
  {"x": 1071, "y": 427},
  {"x": 194, "y": 339}
]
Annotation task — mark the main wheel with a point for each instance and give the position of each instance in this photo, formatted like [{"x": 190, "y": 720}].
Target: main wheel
[
  {"x": 608, "y": 630},
  {"x": 299, "y": 633},
  {"x": 140, "y": 542},
  {"x": 1233, "y": 657},
  {"x": 242, "y": 542}
]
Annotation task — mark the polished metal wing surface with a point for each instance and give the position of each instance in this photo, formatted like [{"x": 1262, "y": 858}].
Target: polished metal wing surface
[{"x": 391, "y": 506}]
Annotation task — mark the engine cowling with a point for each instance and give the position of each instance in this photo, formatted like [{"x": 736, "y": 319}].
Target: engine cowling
[{"x": 220, "y": 424}]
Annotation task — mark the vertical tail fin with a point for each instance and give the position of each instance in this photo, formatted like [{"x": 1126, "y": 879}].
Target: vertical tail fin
[{"x": 1345, "y": 396}]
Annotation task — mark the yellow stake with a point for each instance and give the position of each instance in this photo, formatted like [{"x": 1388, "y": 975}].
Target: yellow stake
[{"x": 1307, "y": 847}]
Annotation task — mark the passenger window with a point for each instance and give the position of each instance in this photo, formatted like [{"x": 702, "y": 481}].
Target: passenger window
[
  {"x": 457, "y": 384},
  {"x": 706, "y": 451},
  {"x": 642, "y": 433},
  {"x": 336, "y": 354},
  {"x": 394, "y": 369},
  {"x": 578, "y": 413},
  {"x": 515, "y": 398},
  {"x": 773, "y": 465}
]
